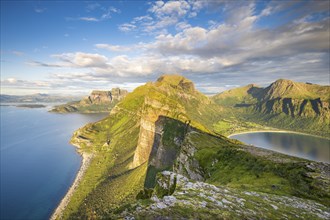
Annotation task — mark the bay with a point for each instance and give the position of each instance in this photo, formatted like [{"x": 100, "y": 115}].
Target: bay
[
  {"x": 38, "y": 164},
  {"x": 299, "y": 145}
]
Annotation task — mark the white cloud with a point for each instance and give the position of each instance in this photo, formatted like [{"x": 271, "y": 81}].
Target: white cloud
[
  {"x": 107, "y": 13},
  {"x": 126, "y": 27},
  {"x": 162, "y": 15},
  {"x": 88, "y": 19},
  {"x": 103, "y": 13},
  {"x": 144, "y": 18},
  {"x": 234, "y": 51},
  {"x": 181, "y": 26},
  {"x": 11, "y": 80},
  {"x": 170, "y": 8},
  {"x": 81, "y": 60},
  {"x": 115, "y": 48}
]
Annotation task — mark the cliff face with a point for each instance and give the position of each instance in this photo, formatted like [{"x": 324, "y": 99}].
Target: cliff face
[
  {"x": 149, "y": 132},
  {"x": 165, "y": 126},
  {"x": 104, "y": 97},
  {"x": 97, "y": 101}
]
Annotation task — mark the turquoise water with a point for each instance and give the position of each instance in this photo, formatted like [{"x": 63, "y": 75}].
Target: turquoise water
[
  {"x": 38, "y": 164},
  {"x": 304, "y": 146}
]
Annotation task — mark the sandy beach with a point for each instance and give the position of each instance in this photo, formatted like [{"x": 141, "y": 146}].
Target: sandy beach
[{"x": 86, "y": 159}]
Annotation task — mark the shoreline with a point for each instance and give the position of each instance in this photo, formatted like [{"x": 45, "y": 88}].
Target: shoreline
[
  {"x": 86, "y": 159},
  {"x": 275, "y": 131}
]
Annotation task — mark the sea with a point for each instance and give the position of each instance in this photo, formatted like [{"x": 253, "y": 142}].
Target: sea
[{"x": 37, "y": 163}]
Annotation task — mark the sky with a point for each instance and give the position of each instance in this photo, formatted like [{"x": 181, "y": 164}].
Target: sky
[{"x": 73, "y": 47}]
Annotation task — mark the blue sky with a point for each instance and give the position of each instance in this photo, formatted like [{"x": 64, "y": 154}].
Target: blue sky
[{"x": 77, "y": 46}]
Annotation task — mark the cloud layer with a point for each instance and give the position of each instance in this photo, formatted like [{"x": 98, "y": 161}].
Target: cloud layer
[{"x": 235, "y": 48}]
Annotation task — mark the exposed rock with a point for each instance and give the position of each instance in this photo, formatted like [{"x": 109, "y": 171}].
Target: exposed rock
[
  {"x": 209, "y": 200},
  {"x": 149, "y": 135},
  {"x": 186, "y": 164},
  {"x": 103, "y": 97},
  {"x": 97, "y": 101}
]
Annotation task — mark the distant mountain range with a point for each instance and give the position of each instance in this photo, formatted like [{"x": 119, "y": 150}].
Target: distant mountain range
[
  {"x": 159, "y": 155},
  {"x": 97, "y": 101},
  {"x": 37, "y": 98},
  {"x": 283, "y": 104}
]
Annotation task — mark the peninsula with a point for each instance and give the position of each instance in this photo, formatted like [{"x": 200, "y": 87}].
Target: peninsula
[{"x": 176, "y": 164}]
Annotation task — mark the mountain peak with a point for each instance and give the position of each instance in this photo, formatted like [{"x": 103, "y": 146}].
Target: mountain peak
[
  {"x": 283, "y": 82},
  {"x": 175, "y": 81}
]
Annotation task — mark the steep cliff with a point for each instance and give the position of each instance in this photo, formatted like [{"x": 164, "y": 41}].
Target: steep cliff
[{"x": 167, "y": 126}]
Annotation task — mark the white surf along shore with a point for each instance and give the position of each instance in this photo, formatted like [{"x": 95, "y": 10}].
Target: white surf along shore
[{"x": 86, "y": 159}]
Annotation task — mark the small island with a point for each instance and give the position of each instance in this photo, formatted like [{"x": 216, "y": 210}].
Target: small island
[{"x": 31, "y": 106}]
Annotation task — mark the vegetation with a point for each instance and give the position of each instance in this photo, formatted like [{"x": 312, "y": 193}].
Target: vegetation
[
  {"x": 282, "y": 105},
  {"x": 228, "y": 164},
  {"x": 189, "y": 129}
]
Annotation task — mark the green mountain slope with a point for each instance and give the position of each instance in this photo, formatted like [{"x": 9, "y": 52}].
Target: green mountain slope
[
  {"x": 284, "y": 104},
  {"x": 167, "y": 126},
  {"x": 97, "y": 101}
]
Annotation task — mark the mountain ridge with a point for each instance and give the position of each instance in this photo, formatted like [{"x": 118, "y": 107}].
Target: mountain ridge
[
  {"x": 168, "y": 126},
  {"x": 284, "y": 104}
]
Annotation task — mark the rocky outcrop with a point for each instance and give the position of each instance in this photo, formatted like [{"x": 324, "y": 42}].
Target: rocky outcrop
[
  {"x": 175, "y": 194},
  {"x": 97, "y": 101},
  {"x": 186, "y": 164},
  {"x": 103, "y": 97}
]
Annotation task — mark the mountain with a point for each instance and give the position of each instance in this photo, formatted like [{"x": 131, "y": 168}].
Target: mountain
[
  {"x": 97, "y": 101},
  {"x": 36, "y": 98},
  {"x": 156, "y": 157},
  {"x": 283, "y": 104}
]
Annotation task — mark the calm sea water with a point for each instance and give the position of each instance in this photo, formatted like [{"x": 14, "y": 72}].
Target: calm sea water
[
  {"x": 304, "y": 146},
  {"x": 38, "y": 164}
]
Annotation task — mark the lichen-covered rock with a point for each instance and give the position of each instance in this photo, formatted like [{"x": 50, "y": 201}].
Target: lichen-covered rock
[
  {"x": 186, "y": 164},
  {"x": 177, "y": 197}
]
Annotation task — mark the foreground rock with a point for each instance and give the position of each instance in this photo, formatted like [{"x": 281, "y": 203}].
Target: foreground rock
[{"x": 200, "y": 200}]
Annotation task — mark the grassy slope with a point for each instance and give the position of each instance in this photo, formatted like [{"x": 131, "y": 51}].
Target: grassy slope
[
  {"x": 231, "y": 165},
  {"x": 109, "y": 183},
  {"x": 121, "y": 148},
  {"x": 110, "y": 166},
  {"x": 235, "y": 119}
]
